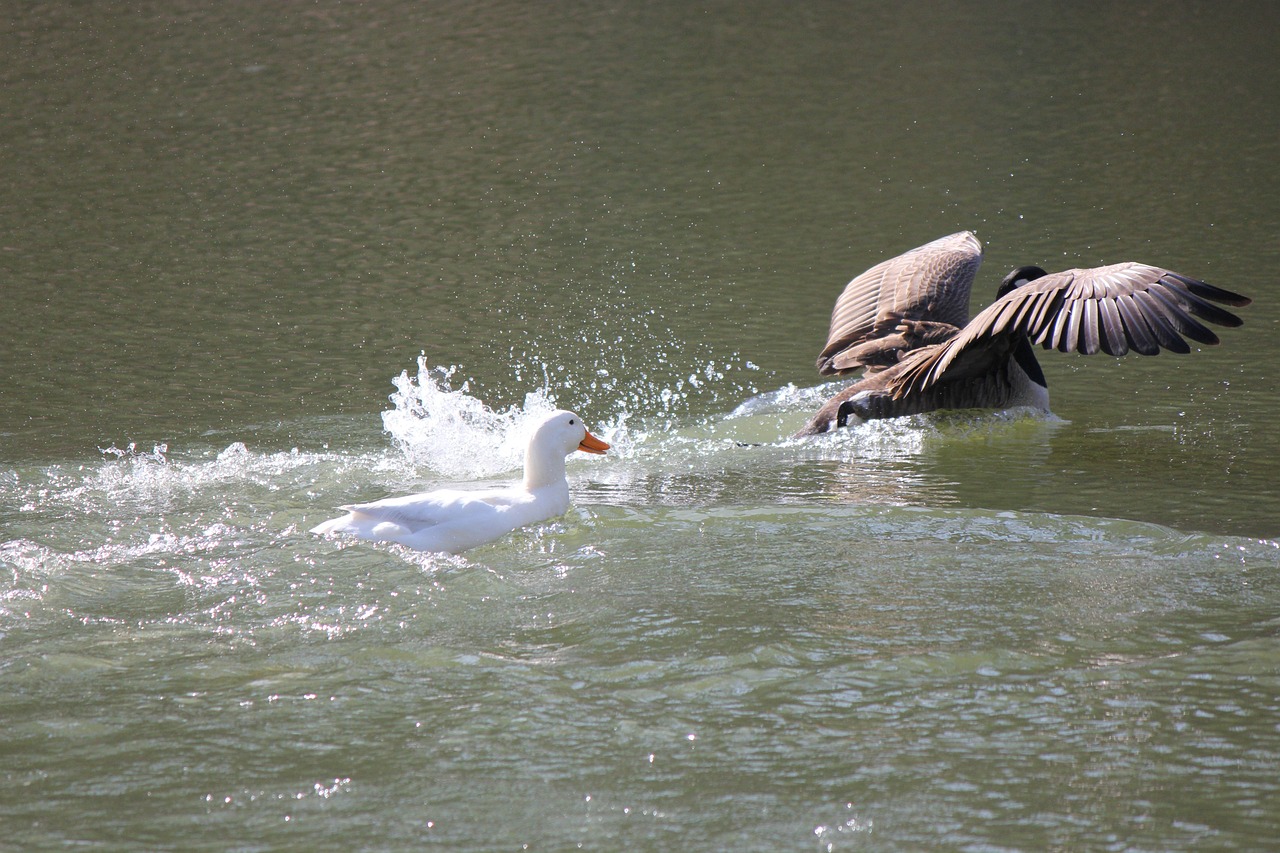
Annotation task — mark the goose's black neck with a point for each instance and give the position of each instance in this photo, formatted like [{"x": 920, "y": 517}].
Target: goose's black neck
[{"x": 1026, "y": 358}]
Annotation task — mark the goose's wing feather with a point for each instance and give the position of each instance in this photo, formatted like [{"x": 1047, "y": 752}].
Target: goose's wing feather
[
  {"x": 975, "y": 377},
  {"x": 929, "y": 283},
  {"x": 1112, "y": 309},
  {"x": 980, "y": 377}
]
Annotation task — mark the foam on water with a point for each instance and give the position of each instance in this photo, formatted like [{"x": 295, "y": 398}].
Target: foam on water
[{"x": 152, "y": 481}]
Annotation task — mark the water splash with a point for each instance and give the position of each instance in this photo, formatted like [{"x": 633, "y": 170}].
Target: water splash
[
  {"x": 671, "y": 385},
  {"x": 456, "y": 434},
  {"x": 131, "y": 451}
]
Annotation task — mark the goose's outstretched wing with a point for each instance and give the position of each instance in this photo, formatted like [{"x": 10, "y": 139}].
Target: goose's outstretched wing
[
  {"x": 930, "y": 283},
  {"x": 1112, "y": 309}
]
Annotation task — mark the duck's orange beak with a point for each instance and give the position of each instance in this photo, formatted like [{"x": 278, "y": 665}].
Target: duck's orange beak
[{"x": 591, "y": 444}]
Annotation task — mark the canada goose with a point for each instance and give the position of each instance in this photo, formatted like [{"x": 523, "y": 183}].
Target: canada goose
[{"x": 905, "y": 323}]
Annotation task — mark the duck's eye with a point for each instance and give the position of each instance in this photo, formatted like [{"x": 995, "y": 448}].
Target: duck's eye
[{"x": 571, "y": 421}]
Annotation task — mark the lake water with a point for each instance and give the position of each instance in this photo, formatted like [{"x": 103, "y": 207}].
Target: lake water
[{"x": 259, "y": 261}]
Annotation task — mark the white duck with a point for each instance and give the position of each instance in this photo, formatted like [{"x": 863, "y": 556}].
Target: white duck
[{"x": 452, "y": 521}]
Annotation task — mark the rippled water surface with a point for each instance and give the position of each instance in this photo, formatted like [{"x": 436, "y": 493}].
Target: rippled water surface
[{"x": 263, "y": 261}]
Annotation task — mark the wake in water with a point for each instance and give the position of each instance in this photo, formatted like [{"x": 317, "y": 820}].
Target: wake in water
[{"x": 702, "y": 435}]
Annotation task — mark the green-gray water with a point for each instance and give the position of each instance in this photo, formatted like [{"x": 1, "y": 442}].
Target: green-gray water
[{"x": 227, "y": 230}]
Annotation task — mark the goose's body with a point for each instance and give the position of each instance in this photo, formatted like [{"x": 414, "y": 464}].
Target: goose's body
[
  {"x": 453, "y": 521},
  {"x": 905, "y": 323}
]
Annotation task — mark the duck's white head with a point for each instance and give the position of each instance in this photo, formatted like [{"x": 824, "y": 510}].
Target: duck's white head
[{"x": 560, "y": 434}]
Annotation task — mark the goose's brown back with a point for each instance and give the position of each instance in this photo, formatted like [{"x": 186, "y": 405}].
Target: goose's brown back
[{"x": 930, "y": 283}]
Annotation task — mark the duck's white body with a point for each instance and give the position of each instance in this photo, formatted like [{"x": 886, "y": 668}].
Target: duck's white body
[{"x": 453, "y": 521}]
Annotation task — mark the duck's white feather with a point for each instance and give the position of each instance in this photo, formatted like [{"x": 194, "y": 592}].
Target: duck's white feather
[
  {"x": 449, "y": 520},
  {"x": 453, "y": 521}
]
